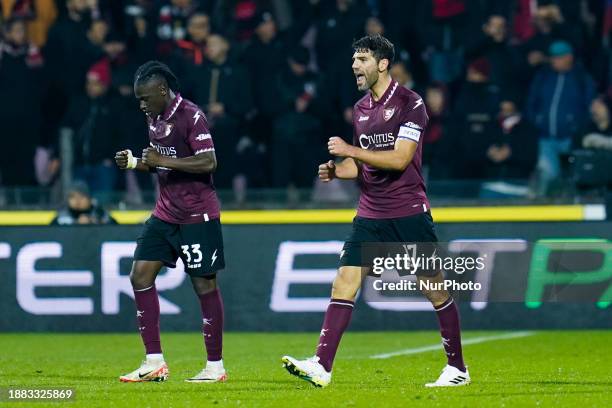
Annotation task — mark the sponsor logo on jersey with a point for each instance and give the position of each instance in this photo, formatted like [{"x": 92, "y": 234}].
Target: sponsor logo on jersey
[
  {"x": 388, "y": 113},
  {"x": 362, "y": 118},
  {"x": 203, "y": 136},
  {"x": 165, "y": 150},
  {"x": 377, "y": 140},
  {"x": 413, "y": 125}
]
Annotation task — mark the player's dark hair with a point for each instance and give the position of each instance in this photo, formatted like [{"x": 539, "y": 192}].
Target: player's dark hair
[
  {"x": 381, "y": 47},
  {"x": 152, "y": 69}
]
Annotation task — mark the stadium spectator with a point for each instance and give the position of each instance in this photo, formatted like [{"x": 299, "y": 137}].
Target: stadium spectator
[
  {"x": 374, "y": 26},
  {"x": 70, "y": 39},
  {"x": 492, "y": 44},
  {"x": 20, "y": 88},
  {"x": 38, "y": 14},
  {"x": 438, "y": 143},
  {"x": 18, "y": 9},
  {"x": 335, "y": 29},
  {"x": 192, "y": 49},
  {"x": 598, "y": 133},
  {"x": 68, "y": 54},
  {"x": 222, "y": 89},
  {"x": 298, "y": 135},
  {"x": 513, "y": 153},
  {"x": 440, "y": 36},
  {"x": 551, "y": 24},
  {"x": 140, "y": 21},
  {"x": 98, "y": 30},
  {"x": 444, "y": 29},
  {"x": 401, "y": 73},
  {"x": 238, "y": 18},
  {"x": 264, "y": 57},
  {"x": 92, "y": 120},
  {"x": 81, "y": 209},
  {"x": 172, "y": 25},
  {"x": 474, "y": 120},
  {"x": 558, "y": 104},
  {"x": 597, "y": 137}
]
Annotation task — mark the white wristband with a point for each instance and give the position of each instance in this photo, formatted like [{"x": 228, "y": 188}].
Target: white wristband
[{"x": 132, "y": 161}]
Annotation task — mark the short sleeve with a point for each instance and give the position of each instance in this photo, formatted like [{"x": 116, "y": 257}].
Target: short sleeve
[
  {"x": 199, "y": 137},
  {"x": 413, "y": 121}
]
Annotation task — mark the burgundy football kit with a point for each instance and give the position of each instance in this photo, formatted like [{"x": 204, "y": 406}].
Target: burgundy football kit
[
  {"x": 185, "y": 223},
  {"x": 393, "y": 208}
]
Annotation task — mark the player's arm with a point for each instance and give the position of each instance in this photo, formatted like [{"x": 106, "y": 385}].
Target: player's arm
[
  {"x": 200, "y": 141},
  {"x": 203, "y": 162},
  {"x": 397, "y": 159},
  {"x": 126, "y": 161},
  {"x": 347, "y": 170}
]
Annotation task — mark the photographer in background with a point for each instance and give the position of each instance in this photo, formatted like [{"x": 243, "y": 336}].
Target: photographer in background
[{"x": 81, "y": 209}]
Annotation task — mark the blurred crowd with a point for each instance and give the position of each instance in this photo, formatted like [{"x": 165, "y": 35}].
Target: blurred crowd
[{"x": 511, "y": 86}]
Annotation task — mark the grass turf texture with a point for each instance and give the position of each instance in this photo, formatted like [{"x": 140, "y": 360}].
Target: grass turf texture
[{"x": 552, "y": 368}]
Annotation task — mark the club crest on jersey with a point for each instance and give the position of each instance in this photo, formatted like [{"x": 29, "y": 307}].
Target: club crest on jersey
[{"x": 388, "y": 113}]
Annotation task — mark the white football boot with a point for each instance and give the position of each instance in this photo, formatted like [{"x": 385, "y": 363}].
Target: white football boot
[
  {"x": 150, "y": 370},
  {"x": 213, "y": 372},
  {"x": 309, "y": 370},
  {"x": 451, "y": 377}
]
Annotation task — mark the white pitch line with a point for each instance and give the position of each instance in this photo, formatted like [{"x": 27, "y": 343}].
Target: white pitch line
[{"x": 473, "y": 340}]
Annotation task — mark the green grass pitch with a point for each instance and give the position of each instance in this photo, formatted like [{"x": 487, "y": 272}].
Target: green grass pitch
[{"x": 545, "y": 368}]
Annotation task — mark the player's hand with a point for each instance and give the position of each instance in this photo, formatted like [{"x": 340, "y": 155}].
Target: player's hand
[
  {"x": 121, "y": 158},
  {"x": 339, "y": 147},
  {"x": 125, "y": 160},
  {"x": 327, "y": 171},
  {"x": 151, "y": 157}
]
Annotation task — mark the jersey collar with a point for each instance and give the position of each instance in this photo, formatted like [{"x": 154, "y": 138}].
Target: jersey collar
[
  {"x": 386, "y": 96},
  {"x": 173, "y": 107}
]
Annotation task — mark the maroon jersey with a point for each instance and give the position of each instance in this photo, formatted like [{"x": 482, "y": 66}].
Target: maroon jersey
[
  {"x": 182, "y": 131},
  {"x": 378, "y": 125}
]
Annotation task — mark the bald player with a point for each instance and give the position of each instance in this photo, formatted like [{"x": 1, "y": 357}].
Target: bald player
[
  {"x": 385, "y": 158},
  {"x": 185, "y": 222}
]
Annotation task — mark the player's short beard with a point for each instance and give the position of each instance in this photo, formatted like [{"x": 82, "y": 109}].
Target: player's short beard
[{"x": 369, "y": 82}]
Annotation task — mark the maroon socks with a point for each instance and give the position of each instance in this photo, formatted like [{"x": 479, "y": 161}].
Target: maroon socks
[
  {"x": 211, "y": 304},
  {"x": 448, "y": 318},
  {"x": 336, "y": 321},
  {"x": 147, "y": 313}
]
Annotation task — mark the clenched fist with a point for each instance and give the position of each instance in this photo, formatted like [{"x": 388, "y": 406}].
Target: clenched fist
[
  {"x": 339, "y": 147},
  {"x": 327, "y": 171},
  {"x": 125, "y": 160},
  {"x": 151, "y": 157},
  {"x": 122, "y": 159}
]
